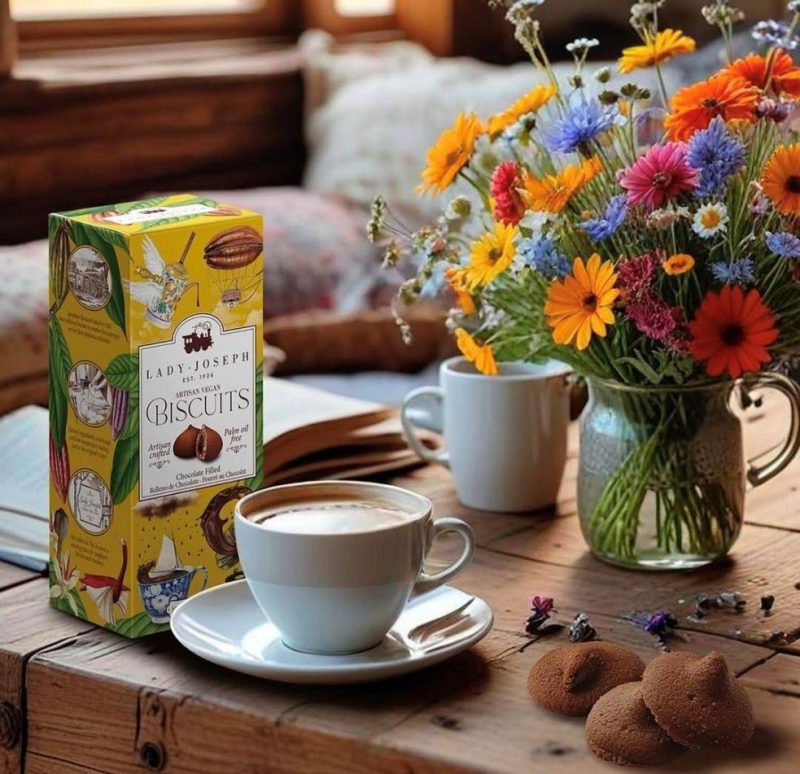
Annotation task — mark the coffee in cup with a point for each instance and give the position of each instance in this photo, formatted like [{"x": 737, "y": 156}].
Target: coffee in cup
[{"x": 332, "y": 564}]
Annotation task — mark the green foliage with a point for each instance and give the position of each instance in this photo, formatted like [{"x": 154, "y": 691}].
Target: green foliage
[
  {"x": 59, "y": 367},
  {"x": 124, "y": 467}
]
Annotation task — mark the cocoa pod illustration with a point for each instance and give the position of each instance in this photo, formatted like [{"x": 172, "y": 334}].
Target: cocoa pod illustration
[
  {"x": 59, "y": 468},
  {"x": 120, "y": 403},
  {"x": 59, "y": 264},
  {"x": 233, "y": 248}
]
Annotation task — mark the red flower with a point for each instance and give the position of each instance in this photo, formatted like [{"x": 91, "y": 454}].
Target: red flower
[
  {"x": 731, "y": 332},
  {"x": 778, "y": 68},
  {"x": 652, "y": 317},
  {"x": 636, "y": 274},
  {"x": 508, "y": 205}
]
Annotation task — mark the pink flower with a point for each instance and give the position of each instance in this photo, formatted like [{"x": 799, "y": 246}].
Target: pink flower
[
  {"x": 652, "y": 317},
  {"x": 508, "y": 205},
  {"x": 659, "y": 176},
  {"x": 635, "y": 275}
]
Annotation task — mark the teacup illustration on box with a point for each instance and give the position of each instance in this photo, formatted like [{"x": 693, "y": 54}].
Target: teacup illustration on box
[{"x": 166, "y": 582}]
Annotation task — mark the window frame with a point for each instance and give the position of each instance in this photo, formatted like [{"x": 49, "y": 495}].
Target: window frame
[{"x": 276, "y": 18}]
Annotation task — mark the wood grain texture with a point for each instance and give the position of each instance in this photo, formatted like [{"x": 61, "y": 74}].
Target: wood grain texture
[
  {"x": 109, "y": 126},
  {"x": 96, "y": 702}
]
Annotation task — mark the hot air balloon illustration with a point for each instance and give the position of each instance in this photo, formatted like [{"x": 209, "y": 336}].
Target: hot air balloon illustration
[
  {"x": 230, "y": 257},
  {"x": 164, "y": 284}
]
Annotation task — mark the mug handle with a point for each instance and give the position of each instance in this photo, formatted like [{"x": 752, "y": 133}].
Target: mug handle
[
  {"x": 202, "y": 569},
  {"x": 409, "y": 430},
  {"x": 758, "y": 474},
  {"x": 426, "y": 581}
]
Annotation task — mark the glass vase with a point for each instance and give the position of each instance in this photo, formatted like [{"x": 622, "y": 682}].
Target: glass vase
[{"x": 662, "y": 476}]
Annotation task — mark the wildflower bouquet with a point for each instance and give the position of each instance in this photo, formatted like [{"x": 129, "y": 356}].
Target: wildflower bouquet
[{"x": 650, "y": 240}]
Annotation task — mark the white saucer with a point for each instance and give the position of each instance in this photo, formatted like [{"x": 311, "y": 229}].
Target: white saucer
[{"x": 224, "y": 625}]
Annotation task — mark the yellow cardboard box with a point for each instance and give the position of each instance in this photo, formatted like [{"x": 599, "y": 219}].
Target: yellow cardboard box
[{"x": 155, "y": 403}]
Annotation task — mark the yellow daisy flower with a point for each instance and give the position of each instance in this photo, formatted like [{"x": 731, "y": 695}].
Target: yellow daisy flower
[
  {"x": 581, "y": 304},
  {"x": 531, "y": 102},
  {"x": 552, "y": 193},
  {"x": 450, "y": 153},
  {"x": 491, "y": 255},
  {"x": 678, "y": 264},
  {"x": 480, "y": 355},
  {"x": 781, "y": 179},
  {"x": 657, "y": 48}
]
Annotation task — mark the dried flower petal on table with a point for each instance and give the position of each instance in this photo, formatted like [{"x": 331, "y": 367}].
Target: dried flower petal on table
[
  {"x": 767, "y": 601},
  {"x": 541, "y": 607},
  {"x": 581, "y": 630}
]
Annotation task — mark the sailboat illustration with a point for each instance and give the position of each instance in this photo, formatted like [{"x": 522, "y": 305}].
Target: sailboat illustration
[
  {"x": 165, "y": 582},
  {"x": 110, "y": 595}
]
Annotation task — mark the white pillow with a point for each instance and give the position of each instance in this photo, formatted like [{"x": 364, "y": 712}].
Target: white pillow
[{"x": 375, "y": 114}]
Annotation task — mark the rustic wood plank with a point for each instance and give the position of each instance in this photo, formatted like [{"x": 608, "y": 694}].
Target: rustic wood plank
[
  {"x": 780, "y": 674},
  {"x": 11, "y": 575},
  {"x": 27, "y": 624}
]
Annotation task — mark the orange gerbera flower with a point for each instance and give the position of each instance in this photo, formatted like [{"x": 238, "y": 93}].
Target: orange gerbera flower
[
  {"x": 731, "y": 332},
  {"x": 755, "y": 69},
  {"x": 552, "y": 193},
  {"x": 457, "y": 280},
  {"x": 480, "y": 355},
  {"x": 531, "y": 102},
  {"x": 657, "y": 48},
  {"x": 780, "y": 179},
  {"x": 580, "y": 304},
  {"x": 694, "y": 107},
  {"x": 451, "y": 153}
]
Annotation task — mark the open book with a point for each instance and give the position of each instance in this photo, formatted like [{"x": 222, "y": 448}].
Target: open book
[
  {"x": 308, "y": 434},
  {"x": 311, "y": 434}
]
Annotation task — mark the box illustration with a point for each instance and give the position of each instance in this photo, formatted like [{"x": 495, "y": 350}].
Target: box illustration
[{"x": 155, "y": 403}]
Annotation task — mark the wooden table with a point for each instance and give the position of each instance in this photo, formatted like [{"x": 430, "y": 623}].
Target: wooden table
[{"x": 76, "y": 698}]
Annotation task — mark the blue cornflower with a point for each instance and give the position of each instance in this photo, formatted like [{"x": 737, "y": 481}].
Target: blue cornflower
[
  {"x": 543, "y": 256},
  {"x": 583, "y": 121},
  {"x": 716, "y": 155},
  {"x": 735, "y": 273},
  {"x": 784, "y": 244},
  {"x": 613, "y": 218},
  {"x": 774, "y": 33}
]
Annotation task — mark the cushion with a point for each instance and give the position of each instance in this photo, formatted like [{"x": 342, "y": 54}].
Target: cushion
[
  {"x": 23, "y": 325},
  {"x": 375, "y": 110}
]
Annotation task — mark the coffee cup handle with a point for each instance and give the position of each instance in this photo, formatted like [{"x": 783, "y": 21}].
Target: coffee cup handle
[
  {"x": 202, "y": 569},
  {"x": 410, "y": 431},
  {"x": 429, "y": 581}
]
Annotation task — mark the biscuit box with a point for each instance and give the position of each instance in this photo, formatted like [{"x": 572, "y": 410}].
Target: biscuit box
[{"x": 155, "y": 403}]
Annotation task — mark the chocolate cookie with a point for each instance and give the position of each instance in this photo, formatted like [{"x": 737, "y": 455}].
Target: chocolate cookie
[
  {"x": 621, "y": 729},
  {"x": 570, "y": 679},
  {"x": 697, "y": 700}
]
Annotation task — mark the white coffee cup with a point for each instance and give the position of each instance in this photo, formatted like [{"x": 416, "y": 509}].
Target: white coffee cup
[
  {"x": 506, "y": 435},
  {"x": 337, "y": 578}
]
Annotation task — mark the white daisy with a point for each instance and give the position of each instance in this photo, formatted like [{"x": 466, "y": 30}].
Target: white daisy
[
  {"x": 582, "y": 44},
  {"x": 710, "y": 220}
]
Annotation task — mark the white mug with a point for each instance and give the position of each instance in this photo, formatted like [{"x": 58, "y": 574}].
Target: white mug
[
  {"x": 341, "y": 592},
  {"x": 506, "y": 435}
]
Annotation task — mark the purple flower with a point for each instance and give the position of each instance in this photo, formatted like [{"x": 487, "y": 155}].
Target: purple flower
[
  {"x": 541, "y": 607},
  {"x": 735, "y": 273},
  {"x": 716, "y": 155},
  {"x": 613, "y": 218},
  {"x": 583, "y": 121},
  {"x": 652, "y": 317},
  {"x": 636, "y": 274},
  {"x": 784, "y": 244},
  {"x": 774, "y": 33}
]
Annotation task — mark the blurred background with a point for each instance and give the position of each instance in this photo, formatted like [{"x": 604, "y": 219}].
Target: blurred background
[{"x": 300, "y": 109}]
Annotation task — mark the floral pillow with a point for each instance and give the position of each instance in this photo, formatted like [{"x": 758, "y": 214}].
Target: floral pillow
[{"x": 316, "y": 255}]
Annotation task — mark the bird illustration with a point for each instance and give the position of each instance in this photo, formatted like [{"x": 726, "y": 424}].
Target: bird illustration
[
  {"x": 163, "y": 284},
  {"x": 110, "y": 595}
]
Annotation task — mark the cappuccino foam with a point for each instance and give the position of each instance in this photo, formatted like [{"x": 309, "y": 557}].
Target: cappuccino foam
[{"x": 331, "y": 517}]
